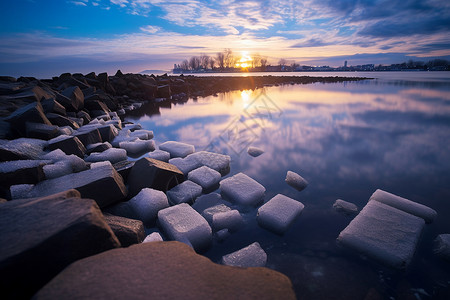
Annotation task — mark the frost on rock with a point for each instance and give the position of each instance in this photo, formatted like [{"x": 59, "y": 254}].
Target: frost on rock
[
  {"x": 185, "y": 165},
  {"x": 279, "y": 213},
  {"x": 215, "y": 161},
  {"x": 182, "y": 223},
  {"x": 406, "y": 205},
  {"x": 137, "y": 146},
  {"x": 57, "y": 169},
  {"x": 147, "y": 203},
  {"x": 231, "y": 220},
  {"x": 383, "y": 233},
  {"x": 19, "y": 191},
  {"x": 345, "y": 207},
  {"x": 296, "y": 181},
  {"x": 113, "y": 155},
  {"x": 22, "y": 148},
  {"x": 185, "y": 192},
  {"x": 153, "y": 237},
  {"x": 177, "y": 149},
  {"x": 142, "y": 134},
  {"x": 209, "y": 212},
  {"x": 132, "y": 127},
  {"x": 206, "y": 177},
  {"x": 209, "y": 200},
  {"x": 123, "y": 136},
  {"x": 250, "y": 256},
  {"x": 242, "y": 190},
  {"x": 254, "y": 151},
  {"x": 160, "y": 155},
  {"x": 442, "y": 246}
]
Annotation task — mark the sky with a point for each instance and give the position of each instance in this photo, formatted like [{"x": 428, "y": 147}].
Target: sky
[{"x": 45, "y": 38}]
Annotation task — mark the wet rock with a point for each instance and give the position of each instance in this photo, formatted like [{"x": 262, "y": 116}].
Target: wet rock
[
  {"x": 75, "y": 97},
  {"x": 155, "y": 174},
  {"x": 21, "y": 171},
  {"x": 192, "y": 276},
  {"x": 43, "y": 236},
  {"x": 68, "y": 144},
  {"x": 254, "y": 151},
  {"x": 128, "y": 231},
  {"x": 32, "y": 112}
]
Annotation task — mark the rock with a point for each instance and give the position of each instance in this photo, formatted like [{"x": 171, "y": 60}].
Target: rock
[
  {"x": 383, "y": 233},
  {"x": 43, "y": 236},
  {"x": 185, "y": 165},
  {"x": 206, "y": 177},
  {"x": 75, "y": 97},
  {"x": 5, "y": 130},
  {"x": 97, "y": 106},
  {"x": 128, "y": 231},
  {"x": 85, "y": 116},
  {"x": 159, "y": 155},
  {"x": 142, "y": 134},
  {"x": 254, "y": 151},
  {"x": 61, "y": 121},
  {"x": 32, "y": 112},
  {"x": 53, "y": 106},
  {"x": 103, "y": 184},
  {"x": 21, "y": 171},
  {"x": 231, "y": 220},
  {"x": 113, "y": 155},
  {"x": 137, "y": 146},
  {"x": 155, "y": 174},
  {"x": 442, "y": 246},
  {"x": 98, "y": 147},
  {"x": 185, "y": 192},
  {"x": 41, "y": 131},
  {"x": 124, "y": 168},
  {"x": 296, "y": 181},
  {"x": 345, "y": 207},
  {"x": 30, "y": 94},
  {"x": 279, "y": 213},
  {"x": 206, "y": 201},
  {"x": 182, "y": 223},
  {"x": 103, "y": 79},
  {"x": 406, "y": 205},
  {"x": 251, "y": 256},
  {"x": 177, "y": 149},
  {"x": 68, "y": 144},
  {"x": 164, "y": 92},
  {"x": 192, "y": 276},
  {"x": 153, "y": 237},
  {"x": 22, "y": 148},
  {"x": 242, "y": 189},
  {"x": 88, "y": 137},
  {"x": 19, "y": 191},
  {"x": 215, "y": 161}
]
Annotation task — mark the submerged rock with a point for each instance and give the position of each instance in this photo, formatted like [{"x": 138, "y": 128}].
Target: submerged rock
[
  {"x": 254, "y": 151},
  {"x": 442, "y": 246},
  {"x": 251, "y": 256},
  {"x": 345, "y": 207},
  {"x": 296, "y": 181}
]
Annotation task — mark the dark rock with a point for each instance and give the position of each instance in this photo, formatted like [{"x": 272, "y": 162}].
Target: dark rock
[
  {"x": 85, "y": 116},
  {"x": 40, "y": 237},
  {"x": 61, "y": 121},
  {"x": 91, "y": 76},
  {"x": 164, "y": 91},
  {"x": 22, "y": 148},
  {"x": 71, "y": 193},
  {"x": 75, "y": 96},
  {"x": 103, "y": 184},
  {"x": 30, "y": 94},
  {"x": 119, "y": 73},
  {"x": 53, "y": 106},
  {"x": 128, "y": 231},
  {"x": 21, "y": 171},
  {"x": 103, "y": 79},
  {"x": 5, "y": 130},
  {"x": 163, "y": 270},
  {"x": 108, "y": 132},
  {"x": 96, "y": 105},
  {"x": 3, "y": 200},
  {"x": 153, "y": 173},
  {"x": 8, "y": 78},
  {"x": 89, "y": 91},
  {"x": 41, "y": 131},
  {"x": 99, "y": 147},
  {"x": 89, "y": 137},
  {"x": 124, "y": 168},
  {"x": 32, "y": 112},
  {"x": 68, "y": 144},
  {"x": 73, "y": 82},
  {"x": 7, "y": 88}
]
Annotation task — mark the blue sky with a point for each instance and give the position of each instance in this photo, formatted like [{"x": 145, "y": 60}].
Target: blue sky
[{"x": 44, "y": 38}]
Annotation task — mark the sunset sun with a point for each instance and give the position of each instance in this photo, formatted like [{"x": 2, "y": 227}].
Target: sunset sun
[{"x": 245, "y": 61}]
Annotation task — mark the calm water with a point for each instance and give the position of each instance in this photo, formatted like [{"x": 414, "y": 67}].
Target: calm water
[{"x": 347, "y": 140}]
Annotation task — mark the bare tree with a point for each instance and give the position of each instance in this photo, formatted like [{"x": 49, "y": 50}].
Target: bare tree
[
  {"x": 282, "y": 62},
  {"x": 184, "y": 65},
  {"x": 263, "y": 63},
  {"x": 204, "y": 61},
  {"x": 212, "y": 63},
  {"x": 194, "y": 63},
  {"x": 220, "y": 58},
  {"x": 229, "y": 58},
  {"x": 256, "y": 61}
]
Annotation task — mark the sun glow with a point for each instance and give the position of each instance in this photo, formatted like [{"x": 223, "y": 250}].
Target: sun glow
[{"x": 245, "y": 61}]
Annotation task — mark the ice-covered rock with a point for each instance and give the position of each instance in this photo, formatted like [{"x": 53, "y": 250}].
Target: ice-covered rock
[
  {"x": 279, "y": 213},
  {"x": 185, "y": 192},
  {"x": 132, "y": 127},
  {"x": 231, "y": 220},
  {"x": 442, "y": 246},
  {"x": 414, "y": 208},
  {"x": 177, "y": 149},
  {"x": 209, "y": 200},
  {"x": 159, "y": 155},
  {"x": 296, "y": 181},
  {"x": 215, "y": 161},
  {"x": 147, "y": 203},
  {"x": 206, "y": 177},
  {"x": 22, "y": 171},
  {"x": 345, "y": 207},
  {"x": 98, "y": 147},
  {"x": 113, "y": 155},
  {"x": 185, "y": 165},
  {"x": 153, "y": 237},
  {"x": 123, "y": 136},
  {"x": 383, "y": 233},
  {"x": 209, "y": 212},
  {"x": 182, "y": 223},
  {"x": 138, "y": 146},
  {"x": 142, "y": 134},
  {"x": 57, "y": 169},
  {"x": 254, "y": 151},
  {"x": 250, "y": 256},
  {"x": 21, "y": 149},
  {"x": 242, "y": 190},
  {"x": 19, "y": 191}
]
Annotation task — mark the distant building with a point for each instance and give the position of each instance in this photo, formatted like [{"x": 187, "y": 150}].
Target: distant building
[{"x": 345, "y": 64}]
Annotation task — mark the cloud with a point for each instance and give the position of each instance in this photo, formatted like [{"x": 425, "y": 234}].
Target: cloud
[
  {"x": 79, "y": 3},
  {"x": 121, "y": 3},
  {"x": 150, "y": 29}
]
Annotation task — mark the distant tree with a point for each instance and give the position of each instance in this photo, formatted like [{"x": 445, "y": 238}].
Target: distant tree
[
  {"x": 184, "y": 65},
  {"x": 212, "y": 63},
  {"x": 204, "y": 61},
  {"x": 282, "y": 62},
  {"x": 194, "y": 63},
  {"x": 220, "y": 58},
  {"x": 229, "y": 58},
  {"x": 256, "y": 61},
  {"x": 294, "y": 66},
  {"x": 263, "y": 63}
]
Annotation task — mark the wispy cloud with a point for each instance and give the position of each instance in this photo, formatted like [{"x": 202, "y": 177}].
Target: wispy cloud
[
  {"x": 79, "y": 3},
  {"x": 150, "y": 29}
]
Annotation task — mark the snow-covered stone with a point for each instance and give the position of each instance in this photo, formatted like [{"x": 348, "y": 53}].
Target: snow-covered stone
[
  {"x": 279, "y": 213},
  {"x": 153, "y": 237},
  {"x": 206, "y": 177},
  {"x": 442, "y": 246},
  {"x": 113, "y": 155},
  {"x": 123, "y": 136},
  {"x": 254, "y": 151},
  {"x": 185, "y": 192},
  {"x": 57, "y": 169},
  {"x": 296, "y": 181},
  {"x": 177, "y": 149},
  {"x": 231, "y": 220},
  {"x": 242, "y": 189},
  {"x": 250, "y": 256},
  {"x": 19, "y": 191},
  {"x": 383, "y": 233},
  {"x": 215, "y": 161},
  {"x": 209, "y": 200},
  {"x": 185, "y": 165},
  {"x": 345, "y": 207},
  {"x": 182, "y": 223},
  {"x": 406, "y": 205},
  {"x": 132, "y": 127},
  {"x": 142, "y": 134},
  {"x": 22, "y": 148},
  {"x": 138, "y": 146},
  {"x": 147, "y": 204},
  {"x": 209, "y": 212},
  {"x": 159, "y": 155},
  {"x": 22, "y": 171}
]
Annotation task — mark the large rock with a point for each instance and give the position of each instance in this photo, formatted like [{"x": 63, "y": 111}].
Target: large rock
[
  {"x": 23, "y": 148},
  {"x": 103, "y": 184},
  {"x": 68, "y": 144},
  {"x": 41, "y": 131},
  {"x": 53, "y": 106},
  {"x": 75, "y": 97},
  {"x": 155, "y": 174},
  {"x": 61, "y": 121},
  {"x": 32, "y": 112},
  {"x": 21, "y": 171},
  {"x": 164, "y": 92},
  {"x": 163, "y": 270},
  {"x": 128, "y": 231},
  {"x": 88, "y": 137},
  {"x": 40, "y": 237}
]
